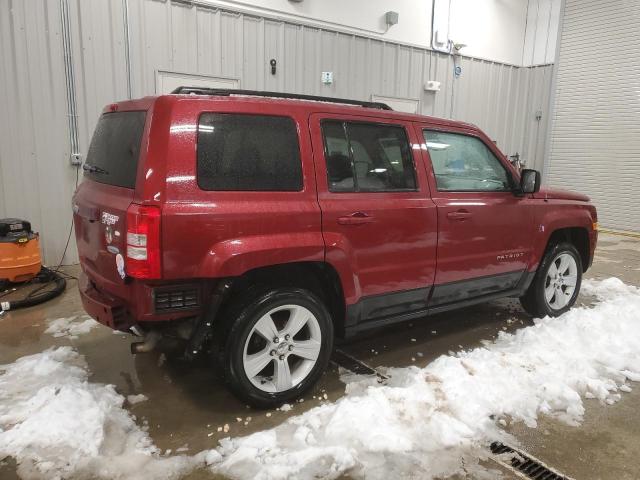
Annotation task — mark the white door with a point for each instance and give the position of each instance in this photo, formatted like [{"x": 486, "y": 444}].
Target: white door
[
  {"x": 399, "y": 104},
  {"x": 166, "y": 82}
]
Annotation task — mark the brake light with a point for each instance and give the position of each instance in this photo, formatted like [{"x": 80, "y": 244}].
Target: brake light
[{"x": 143, "y": 241}]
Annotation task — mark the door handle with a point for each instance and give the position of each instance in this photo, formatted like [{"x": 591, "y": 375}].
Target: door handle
[
  {"x": 356, "y": 218},
  {"x": 459, "y": 215}
]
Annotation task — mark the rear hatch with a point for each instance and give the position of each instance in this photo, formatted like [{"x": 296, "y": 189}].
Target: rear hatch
[{"x": 101, "y": 201}]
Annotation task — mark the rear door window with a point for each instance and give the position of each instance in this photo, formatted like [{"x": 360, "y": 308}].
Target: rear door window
[
  {"x": 367, "y": 157},
  {"x": 248, "y": 153},
  {"x": 115, "y": 148}
]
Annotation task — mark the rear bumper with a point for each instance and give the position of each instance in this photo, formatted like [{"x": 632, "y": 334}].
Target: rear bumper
[
  {"x": 104, "y": 309},
  {"x": 135, "y": 302}
]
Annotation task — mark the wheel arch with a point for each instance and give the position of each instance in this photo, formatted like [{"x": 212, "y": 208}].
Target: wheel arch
[
  {"x": 578, "y": 237},
  {"x": 321, "y": 278}
]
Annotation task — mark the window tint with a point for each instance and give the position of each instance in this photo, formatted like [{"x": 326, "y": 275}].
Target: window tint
[
  {"x": 465, "y": 163},
  {"x": 366, "y": 157},
  {"x": 115, "y": 148},
  {"x": 248, "y": 152},
  {"x": 339, "y": 170}
]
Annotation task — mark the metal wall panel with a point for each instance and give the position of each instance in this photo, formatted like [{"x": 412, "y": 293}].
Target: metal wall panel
[
  {"x": 36, "y": 179},
  {"x": 99, "y": 57},
  {"x": 595, "y": 138}
]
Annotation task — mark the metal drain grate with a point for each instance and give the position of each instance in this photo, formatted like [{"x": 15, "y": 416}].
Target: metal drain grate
[
  {"x": 354, "y": 365},
  {"x": 525, "y": 465}
]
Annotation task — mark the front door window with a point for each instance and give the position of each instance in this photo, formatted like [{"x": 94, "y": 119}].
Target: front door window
[{"x": 462, "y": 163}]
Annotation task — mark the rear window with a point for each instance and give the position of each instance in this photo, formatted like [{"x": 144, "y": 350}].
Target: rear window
[
  {"x": 115, "y": 148},
  {"x": 248, "y": 152}
]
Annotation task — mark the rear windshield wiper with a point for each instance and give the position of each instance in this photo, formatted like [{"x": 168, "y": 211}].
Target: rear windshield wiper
[{"x": 93, "y": 169}]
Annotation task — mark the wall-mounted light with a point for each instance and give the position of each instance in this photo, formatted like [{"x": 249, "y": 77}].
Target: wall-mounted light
[{"x": 391, "y": 18}]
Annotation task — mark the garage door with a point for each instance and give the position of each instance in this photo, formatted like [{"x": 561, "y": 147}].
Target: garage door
[{"x": 595, "y": 138}]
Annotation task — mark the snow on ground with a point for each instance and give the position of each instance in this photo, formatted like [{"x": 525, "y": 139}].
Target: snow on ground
[
  {"x": 71, "y": 327},
  {"x": 424, "y": 422},
  {"x": 428, "y": 422},
  {"x": 133, "y": 399},
  {"x": 58, "y": 425}
]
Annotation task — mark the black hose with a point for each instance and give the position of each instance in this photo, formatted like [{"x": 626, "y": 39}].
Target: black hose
[{"x": 37, "y": 296}]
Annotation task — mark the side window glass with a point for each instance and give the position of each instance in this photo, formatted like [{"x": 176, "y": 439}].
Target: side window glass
[
  {"x": 365, "y": 157},
  {"x": 248, "y": 153},
  {"x": 464, "y": 163},
  {"x": 336, "y": 151}
]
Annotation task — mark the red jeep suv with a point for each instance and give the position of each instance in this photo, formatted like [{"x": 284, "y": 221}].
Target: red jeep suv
[{"x": 255, "y": 226}]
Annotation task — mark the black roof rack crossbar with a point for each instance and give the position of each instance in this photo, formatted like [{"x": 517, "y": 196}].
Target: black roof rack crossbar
[{"x": 295, "y": 96}]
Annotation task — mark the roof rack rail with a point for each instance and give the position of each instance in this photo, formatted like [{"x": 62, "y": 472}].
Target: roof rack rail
[{"x": 258, "y": 93}]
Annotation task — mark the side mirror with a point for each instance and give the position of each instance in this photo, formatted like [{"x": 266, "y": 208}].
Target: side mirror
[{"x": 529, "y": 181}]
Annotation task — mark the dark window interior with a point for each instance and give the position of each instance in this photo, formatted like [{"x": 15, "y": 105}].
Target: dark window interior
[{"x": 248, "y": 153}]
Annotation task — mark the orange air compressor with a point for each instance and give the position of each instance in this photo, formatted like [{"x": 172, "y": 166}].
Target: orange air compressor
[{"x": 20, "y": 259}]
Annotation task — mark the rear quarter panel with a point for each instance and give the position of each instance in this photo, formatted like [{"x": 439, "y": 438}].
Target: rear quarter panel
[{"x": 209, "y": 234}]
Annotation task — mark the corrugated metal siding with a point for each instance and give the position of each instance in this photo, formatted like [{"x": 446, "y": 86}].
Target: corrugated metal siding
[
  {"x": 595, "y": 139},
  {"x": 36, "y": 180},
  {"x": 503, "y": 101}
]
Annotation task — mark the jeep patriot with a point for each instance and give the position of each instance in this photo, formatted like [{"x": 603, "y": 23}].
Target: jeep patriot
[{"x": 254, "y": 227}]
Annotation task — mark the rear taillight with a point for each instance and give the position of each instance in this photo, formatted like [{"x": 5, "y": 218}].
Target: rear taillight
[{"x": 143, "y": 241}]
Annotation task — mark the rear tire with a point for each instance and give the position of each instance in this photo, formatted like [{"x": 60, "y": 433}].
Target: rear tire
[
  {"x": 556, "y": 284},
  {"x": 277, "y": 346}
]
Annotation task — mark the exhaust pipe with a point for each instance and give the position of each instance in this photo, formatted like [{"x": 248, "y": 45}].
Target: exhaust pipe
[
  {"x": 149, "y": 344},
  {"x": 154, "y": 340},
  {"x": 136, "y": 331}
]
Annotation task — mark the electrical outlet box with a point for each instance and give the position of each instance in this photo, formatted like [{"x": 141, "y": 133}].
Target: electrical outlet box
[
  {"x": 391, "y": 18},
  {"x": 76, "y": 159},
  {"x": 327, "y": 78},
  {"x": 432, "y": 86}
]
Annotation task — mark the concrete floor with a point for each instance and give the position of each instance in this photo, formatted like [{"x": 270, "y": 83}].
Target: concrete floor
[
  {"x": 187, "y": 404},
  {"x": 607, "y": 444}
]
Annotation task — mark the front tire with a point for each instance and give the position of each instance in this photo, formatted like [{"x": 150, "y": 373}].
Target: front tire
[
  {"x": 556, "y": 285},
  {"x": 278, "y": 346}
]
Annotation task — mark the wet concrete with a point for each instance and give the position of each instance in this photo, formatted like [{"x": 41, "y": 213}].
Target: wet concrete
[
  {"x": 606, "y": 446},
  {"x": 188, "y": 404}
]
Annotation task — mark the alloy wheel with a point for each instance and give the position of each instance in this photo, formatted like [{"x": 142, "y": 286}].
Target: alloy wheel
[
  {"x": 282, "y": 348},
  {"x": 560, "y": 283}
]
